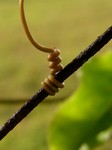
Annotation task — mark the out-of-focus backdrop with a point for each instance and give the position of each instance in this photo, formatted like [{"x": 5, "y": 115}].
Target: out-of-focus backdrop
[{"x": 70, "y": 25}]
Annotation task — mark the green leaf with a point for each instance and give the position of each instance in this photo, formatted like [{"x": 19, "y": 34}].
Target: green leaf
[{"x": 88, "y": 111}]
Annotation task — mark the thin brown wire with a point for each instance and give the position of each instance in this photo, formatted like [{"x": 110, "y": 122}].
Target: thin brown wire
[{"x": 68, "y": 70}]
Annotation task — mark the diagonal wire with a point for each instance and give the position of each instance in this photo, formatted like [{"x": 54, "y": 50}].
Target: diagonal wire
[{"x": 83, "y": 57}]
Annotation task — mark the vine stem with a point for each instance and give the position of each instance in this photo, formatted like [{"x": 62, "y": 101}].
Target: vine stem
[{"x": 83, "y": 57}]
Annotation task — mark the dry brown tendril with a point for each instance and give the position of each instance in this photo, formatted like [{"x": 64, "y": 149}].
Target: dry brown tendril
[{"x": 50, "y": 84}]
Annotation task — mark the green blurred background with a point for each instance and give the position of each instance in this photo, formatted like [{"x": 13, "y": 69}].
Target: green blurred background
[{"x": 70, "y": 25}]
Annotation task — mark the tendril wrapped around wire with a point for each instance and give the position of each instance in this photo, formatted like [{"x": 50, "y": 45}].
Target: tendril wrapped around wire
[{"x": 50, "y": 84}]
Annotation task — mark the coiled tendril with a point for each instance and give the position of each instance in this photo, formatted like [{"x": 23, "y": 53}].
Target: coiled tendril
[{"x": 50, "y": 84}]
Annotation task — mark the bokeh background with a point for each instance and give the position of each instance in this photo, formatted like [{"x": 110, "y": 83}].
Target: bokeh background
[{"x": 70, "y": 25}]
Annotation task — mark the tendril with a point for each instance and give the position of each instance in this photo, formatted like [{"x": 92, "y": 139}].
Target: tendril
[{"x": 50, "y": 84}]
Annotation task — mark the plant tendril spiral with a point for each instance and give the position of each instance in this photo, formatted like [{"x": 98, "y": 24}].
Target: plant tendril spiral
[{"x": 50, "y": 84}]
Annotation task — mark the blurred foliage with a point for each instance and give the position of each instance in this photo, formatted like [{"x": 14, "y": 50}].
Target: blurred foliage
[{"x": 88, "y": 111}]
